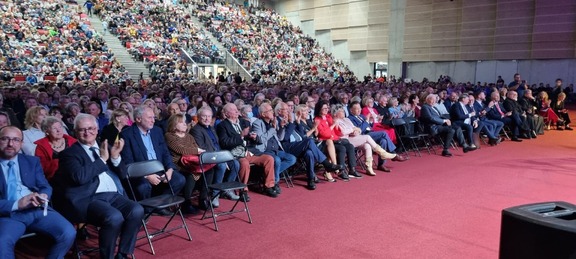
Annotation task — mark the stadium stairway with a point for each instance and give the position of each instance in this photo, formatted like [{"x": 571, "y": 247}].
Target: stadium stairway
[{"x": 120, "y": 52}]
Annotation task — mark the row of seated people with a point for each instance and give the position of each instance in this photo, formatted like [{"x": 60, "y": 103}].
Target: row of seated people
[
  {"x": 88, "y": 188},
  {"x": 51, "y": 39},
  {"x": 267, "y": 43}
]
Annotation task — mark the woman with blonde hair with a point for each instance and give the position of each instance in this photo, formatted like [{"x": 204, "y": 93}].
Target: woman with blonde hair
[
  {"x": 118, "y": 121},
  {"x": 549, "y": 115},
  {"x": 49, "y": 147},
  {"x": 129, "y": 109},
  {"x": 32, "y": 122}
]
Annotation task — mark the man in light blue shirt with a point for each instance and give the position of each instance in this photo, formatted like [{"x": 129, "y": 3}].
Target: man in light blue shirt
[{"x": 24, "y": 196}]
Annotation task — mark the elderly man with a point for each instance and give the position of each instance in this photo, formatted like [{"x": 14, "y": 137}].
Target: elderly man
[
  {"x": 381, "y": 137},
  {"x": 267, "y": 140},
  {"x": 207, "y": 139},
  {"x": 145, "y": 142},
  {"x": 436, "y": 125},
  {"x": 496, "y": 111},
  {"x": 89, "y": 184},
  {"x": 24, "y": 192},
  {"x": 482, "y": 111},
  {"x": 530, "y": 107},
  {"x": 233, "y": 134},
  {"x": 518, "y": 114}
]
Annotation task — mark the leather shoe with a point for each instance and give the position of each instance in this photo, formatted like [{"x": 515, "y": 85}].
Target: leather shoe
[
  {"x": 311, "y": 185},
  {"x": 399, "y": 158},
  {"x": 244, "y": 197},
  {"x": 446, "y": 153},
  {"x": 516, "y": 140},
  {"x": 384, "y": 168},
  {"x": 468, "y": 149},
  {"x": 333, "y": 167},
  {"x": 354, "y": 174},
  {"x": 270, "y": 192},
  {"x": 277, "y": 189}
]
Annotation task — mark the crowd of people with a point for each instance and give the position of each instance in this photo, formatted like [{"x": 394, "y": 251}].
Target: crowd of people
[
  {"x": 155, "y": 32},
  {"x": 267, "y": 44},
  {"x": 84, "y": 137},
  {"x": 52, "y": 40}
]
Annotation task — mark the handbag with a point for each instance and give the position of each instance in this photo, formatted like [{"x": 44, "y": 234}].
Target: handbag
[{"x": 191, "y": 163}]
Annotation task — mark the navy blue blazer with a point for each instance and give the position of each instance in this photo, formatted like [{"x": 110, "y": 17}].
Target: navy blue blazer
[
  {"x": 77, "y": 180},
  {"x": 457, "y": 114},
  {"x": 493, "y": 113},
  {"x": 360, "y": 123},
  {"x": 135, "y": 151},
  {"x": 32, "y": 177}
]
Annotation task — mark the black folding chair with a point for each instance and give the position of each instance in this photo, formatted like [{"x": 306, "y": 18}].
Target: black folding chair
[
  {"x": 217, "y": 157},
  {"x": 403, "y": 133},
  {"x": 156, "y": 203}
]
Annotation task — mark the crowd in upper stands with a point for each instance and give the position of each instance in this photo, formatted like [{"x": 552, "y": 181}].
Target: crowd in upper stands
[
  {"x": 51, "y": 40},
  {"x": 267, "y": 44},
  {"x": 155, "y": 32}
]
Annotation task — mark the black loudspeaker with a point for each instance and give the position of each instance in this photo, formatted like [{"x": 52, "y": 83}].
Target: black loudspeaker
[{"x": 540, "y": 230}]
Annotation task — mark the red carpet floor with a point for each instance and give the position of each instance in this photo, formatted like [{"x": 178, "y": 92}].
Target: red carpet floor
[{"x": 428, "y": 207}]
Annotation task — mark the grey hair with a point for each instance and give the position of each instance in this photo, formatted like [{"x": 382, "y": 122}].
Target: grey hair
[
  {"x": 139, "y": 110},
  {"x": 204, "y": 109},
  {"x": 279, "y": 106},
  {"x": 261, "y": 108},
  {"x": 82, "y": 116},
  {"x": 48, "y": 122}
]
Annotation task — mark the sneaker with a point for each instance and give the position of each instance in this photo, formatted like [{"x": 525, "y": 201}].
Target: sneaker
[
  {"x": 230, "y": 195},
  {"x": 216, "y": 202}
]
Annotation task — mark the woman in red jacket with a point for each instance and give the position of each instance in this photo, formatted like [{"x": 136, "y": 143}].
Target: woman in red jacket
[
  {"x": 48, "y": 148},
  {"x": 325, "y": 130}
]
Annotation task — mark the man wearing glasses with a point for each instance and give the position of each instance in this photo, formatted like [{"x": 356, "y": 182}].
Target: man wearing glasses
[{"x": 24, "y": 196}]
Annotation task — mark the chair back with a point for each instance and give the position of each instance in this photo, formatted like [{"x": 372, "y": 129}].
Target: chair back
[
  {"x": 216, "y": 157},
  {"x": 144, "y": 168},
  {"x": 398, "y": 122}
]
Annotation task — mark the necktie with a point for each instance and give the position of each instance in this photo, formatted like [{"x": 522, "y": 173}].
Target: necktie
[
  {"x": 12, "y": 185},
  {"x": 360, "y": 119},
  {"x": 95, "y": 154},
  {"x": 498, "y": 108}
]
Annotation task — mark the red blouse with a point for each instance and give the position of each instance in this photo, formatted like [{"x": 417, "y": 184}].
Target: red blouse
[
  {"x": 45, "y": 152},
  {"x": 324, "y": 130}
]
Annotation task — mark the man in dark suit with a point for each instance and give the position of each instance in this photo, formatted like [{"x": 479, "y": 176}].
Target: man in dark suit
[
  {"x": 518, "y": 114},
  {"x": 436, "y": 125},
  {"x": 24, "y": 192},
  {"x": 462, "y": 118},
  {"x": 233, "y": 134},
  {"x": 481, "y": 112},
  {"x": 145, "y": 142},
  {"x": 207, "y": 139},
  {"x": 295, "y": 141},
  {"x": 381, "y": 137},
  {"x": 496, "y": 111},
  {"x": 89, "y": 189}
]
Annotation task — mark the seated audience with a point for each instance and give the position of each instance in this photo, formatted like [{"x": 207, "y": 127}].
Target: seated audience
[
  {"x": 48, "y": 148},
  {"x": 144, "y": 142},
  {"x": 89, "y": 190},
  {"x": 23, "y": 195},
  {"x": 33, "y": 132}
]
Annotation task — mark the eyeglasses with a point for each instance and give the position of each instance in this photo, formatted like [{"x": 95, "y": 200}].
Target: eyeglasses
[
  {"x": 84, "y": 130},
  {"x": 8, "y": 139}
]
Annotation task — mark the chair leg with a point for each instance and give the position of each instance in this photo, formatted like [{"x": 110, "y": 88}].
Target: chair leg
[
  {"x": 213, "y": 215},
  {"x": 184, "y": 224},
  {"x": 148, "y": 237},
  {"x": 243, "y": 192}
]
